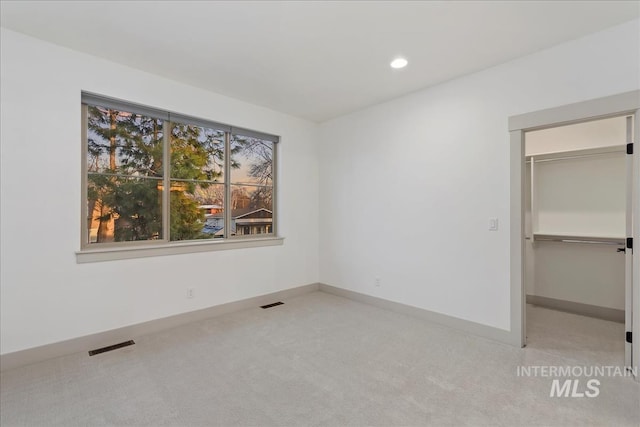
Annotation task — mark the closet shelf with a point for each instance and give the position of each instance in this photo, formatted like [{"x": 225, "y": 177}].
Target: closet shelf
[
  {"x": 574, "y": 154},
  {"x": 584, "y": 239}
]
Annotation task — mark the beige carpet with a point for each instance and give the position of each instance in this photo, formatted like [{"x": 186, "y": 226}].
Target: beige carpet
[{"x": 319, "y": 360}]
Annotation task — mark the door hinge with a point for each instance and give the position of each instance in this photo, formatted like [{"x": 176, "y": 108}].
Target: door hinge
[
  {"x": 629, "y": 242},
  {"x": 630, "y": 148},
  {"x": 629, "y": 337}
]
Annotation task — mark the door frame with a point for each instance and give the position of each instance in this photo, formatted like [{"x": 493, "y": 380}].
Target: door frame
[{"x": 627, "y": 103}]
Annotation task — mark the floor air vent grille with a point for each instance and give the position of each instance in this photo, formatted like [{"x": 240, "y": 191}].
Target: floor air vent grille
[
  {"x": 111, "y": 347},
  {"x": 272, "y": 305}
]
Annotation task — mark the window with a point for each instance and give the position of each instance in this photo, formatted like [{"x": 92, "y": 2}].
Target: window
[{"x": 154, "y": 177}]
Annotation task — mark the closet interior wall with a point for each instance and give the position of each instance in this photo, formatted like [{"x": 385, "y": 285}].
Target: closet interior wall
[{"x": 575, "y": 217}]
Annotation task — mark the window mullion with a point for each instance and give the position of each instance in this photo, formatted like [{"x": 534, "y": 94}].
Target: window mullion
[
  {"x": 227, "y": 185},
  {"x": 166, "y": 180}
]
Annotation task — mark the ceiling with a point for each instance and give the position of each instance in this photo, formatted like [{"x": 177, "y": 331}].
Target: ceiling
[{"x": 315, "y": 60}]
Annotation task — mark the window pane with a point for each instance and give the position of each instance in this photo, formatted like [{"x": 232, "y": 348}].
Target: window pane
[
  {"x": 196, "y": 210},
  {"x": 197, "y": 153},
  {"x": 123, "y": 209},
  {"x": 124, "y": 143},
  {"x": 251, "y": 160},
  {"x": 251, "y": 210}
]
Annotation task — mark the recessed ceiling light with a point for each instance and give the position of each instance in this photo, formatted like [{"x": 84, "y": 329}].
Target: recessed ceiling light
[{"x": 399, "y": 63}]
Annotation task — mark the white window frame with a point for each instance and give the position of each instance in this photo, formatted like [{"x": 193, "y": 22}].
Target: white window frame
[{"x": 95, "y": 252}]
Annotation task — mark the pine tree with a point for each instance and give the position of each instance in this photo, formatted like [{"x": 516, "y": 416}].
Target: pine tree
[{"x": 197, "y": 154}]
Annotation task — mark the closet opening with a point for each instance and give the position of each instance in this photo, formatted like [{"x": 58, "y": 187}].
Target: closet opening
[
  {"x": 577, "y": 217},
  {"x": 561, "y": 220}
]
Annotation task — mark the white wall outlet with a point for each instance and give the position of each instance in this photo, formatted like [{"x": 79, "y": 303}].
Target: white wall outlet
[
  {"x": 493, "y": 224},
  {"x": 377, "y": 282},
  {"x": 191, "y": 292}
]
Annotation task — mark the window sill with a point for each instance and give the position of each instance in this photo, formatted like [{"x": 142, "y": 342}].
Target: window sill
[{"x": 112, "y": 254}]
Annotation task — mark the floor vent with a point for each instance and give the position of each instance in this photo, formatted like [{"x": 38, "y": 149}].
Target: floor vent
[
  {"x": 111, "y": 347},
  {"x": 272, "y": 305}
]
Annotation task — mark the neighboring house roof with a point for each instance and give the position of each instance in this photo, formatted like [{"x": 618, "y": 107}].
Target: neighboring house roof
[
  {"x": 245, "y": 213},
  {"x": 255, "y": 213}
]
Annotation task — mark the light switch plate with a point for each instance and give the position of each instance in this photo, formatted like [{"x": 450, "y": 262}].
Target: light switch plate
[{"x": 493, "y": 224}]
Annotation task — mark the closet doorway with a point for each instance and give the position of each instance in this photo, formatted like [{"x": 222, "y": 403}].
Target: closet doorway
[
  {"x": 576, "y": 210},
  {"x": 551, "y": 221}
]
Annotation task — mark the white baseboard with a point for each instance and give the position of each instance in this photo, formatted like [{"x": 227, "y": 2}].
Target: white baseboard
[
  {"x": 605, "y": 313},
  {"x": 114, "y": 336},
  {"x": 478, "y": 329}
]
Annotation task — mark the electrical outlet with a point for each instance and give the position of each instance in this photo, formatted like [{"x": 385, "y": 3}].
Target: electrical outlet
[
  {"x": 190, "y": 292},
  {"x": 493, "y": 224},
  {"x": 377, "y": 282}
]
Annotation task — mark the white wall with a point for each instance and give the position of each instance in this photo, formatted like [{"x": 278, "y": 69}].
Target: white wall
[
  {"x": 582, "y": 197},
  {"x": 437, "y": 161},
  {"x": 594, "y": 134},
  {"x": 45, "y": 296},
  {"x": 583, "y": 273}
]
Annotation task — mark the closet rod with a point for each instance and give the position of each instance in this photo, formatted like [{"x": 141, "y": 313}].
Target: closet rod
[{"x": 616, "y": 242}]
